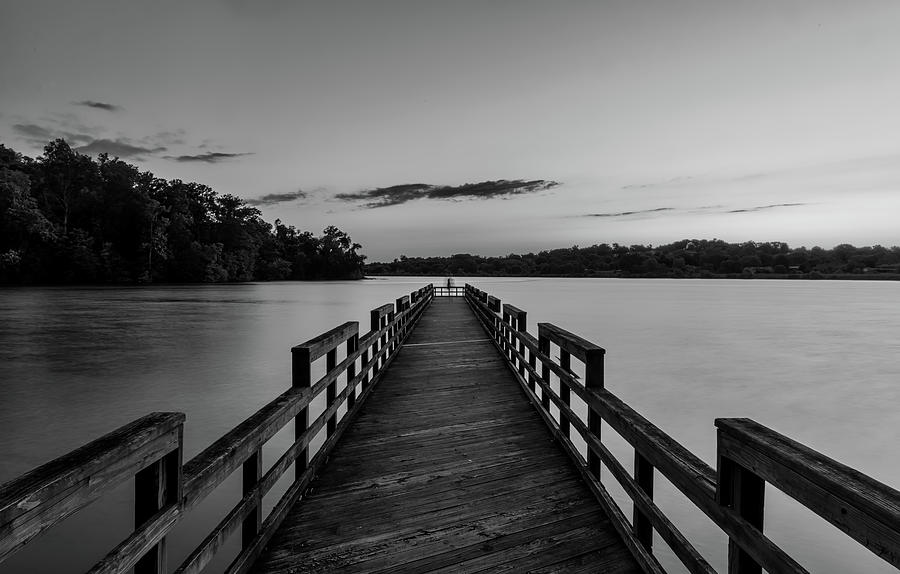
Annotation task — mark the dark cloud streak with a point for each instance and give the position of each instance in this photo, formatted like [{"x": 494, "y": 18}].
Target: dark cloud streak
[
  {"x": 397, "y": 194},
  {"x": 208, "y": 157},
  {"x": 40, "y": 135},
  {"x": 627, "y": 213},
  {"x": 762, "y": 207},
  {"x": 276, "y": 198},
  {"x": 120, "y": 147},
  {"x": 98, "y": 105}
]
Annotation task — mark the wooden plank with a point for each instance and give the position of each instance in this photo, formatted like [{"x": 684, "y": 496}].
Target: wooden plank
[
  {"x": 204, "y": 472},
  {"x": 140, "y": 543},
  {"x": 577, "y": 346},
  {"x": 445, "y": 455},
  {"x": 694, "y": 478},
  {"x": 321, "y": 344},
  {"x": 644, "y": 504},
  {"x": 48, "y": 494},
  {"x": 860, "y": 506}
]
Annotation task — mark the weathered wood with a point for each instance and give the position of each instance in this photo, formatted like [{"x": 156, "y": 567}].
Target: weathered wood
[
  {"x": 860, "y": 506},
  {"x": 252, "y": 473},
  {"x": 352, "y": 349},
  {"x": 544, "y": 350},
  {"x": 577, "y": 346},
  {"x": 143, "y": 541},
  {"x": 744, "y": 493},
  {"x": 689, "y": 474},
  {"x": 643, "y": 476},
  {"x": 443, "y": 470},
  {"x": 644, "y": 558},
  {"x": 150, "y": 450},
  {"x": 643, "y": 555},
  {"x": 48, "y": 494},
  {"x": 565, "y": 361},
  {"x": 318, "y": 346},
  {"x": 155, "y": 487},
  {"x": 689, "y": 556}
]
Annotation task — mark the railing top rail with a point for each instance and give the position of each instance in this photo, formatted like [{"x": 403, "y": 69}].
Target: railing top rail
[
  {"x": 46, "y": 495},
  {"x": 204, "y": 472},
  {"x": 382, "y": 311},
  {"x": 512, "y": 310},
  {"x": 859, "y": 505},
  {"x": 318, "y": 346},
  {"x": 570, "y": 342}
]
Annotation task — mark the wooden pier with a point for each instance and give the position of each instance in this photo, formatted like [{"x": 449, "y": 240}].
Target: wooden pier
[{"x": 448, "y": 447}]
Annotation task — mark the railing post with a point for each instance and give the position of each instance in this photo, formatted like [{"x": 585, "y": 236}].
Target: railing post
[
  {"x": 331, "y": 390},
  {"x": 744, "y": 492},
  {"x": 375, "y": 325},
  {"x": 565, "y": 361},
  {"x": 363, "y": 361},
  {"x": 643, "y": 476},
  {"x": 252, "y": 473},
  {"x": 544, "y": 348},
  {"x": 494, "y": 305},
  {"x": 155, "y": 487},
  {"x": 392, "y": 332},
  {"x": 384, "y": 339},
  {"x": 522, "y": 327},
  {"x": 507, "y": 327},
  {"x": 301, "y": 377},
  {"x": 593, "y": 379},
  {"x": 352, "y": 347}
]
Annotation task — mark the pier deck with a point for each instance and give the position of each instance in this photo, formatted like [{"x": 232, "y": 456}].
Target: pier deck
[{"x": 448, "y": 468}]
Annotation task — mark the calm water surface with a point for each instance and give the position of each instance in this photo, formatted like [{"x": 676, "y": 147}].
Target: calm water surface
[{"x": 813, "y": 360}]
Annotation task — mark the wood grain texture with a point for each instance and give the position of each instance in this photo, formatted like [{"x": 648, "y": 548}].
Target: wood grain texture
[
  {"x": 577, "y": 346},
  {"x": 36, "y": 501},
  {"x": 321, "y": 344},
  {"x": 447, "y": 469},
  {"x": 862, "y": 507}
]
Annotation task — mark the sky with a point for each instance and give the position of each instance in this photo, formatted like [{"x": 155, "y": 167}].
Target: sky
[{"x": 591, "y": 121}]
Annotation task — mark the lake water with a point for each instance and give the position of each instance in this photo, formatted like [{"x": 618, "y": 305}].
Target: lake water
[{"x": 813, "y": 360}]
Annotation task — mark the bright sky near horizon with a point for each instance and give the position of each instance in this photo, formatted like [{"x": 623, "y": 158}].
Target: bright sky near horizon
[{"x": 771, "y": 120}]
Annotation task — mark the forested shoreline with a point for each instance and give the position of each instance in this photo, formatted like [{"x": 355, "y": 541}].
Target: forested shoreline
[
  {"x": 688, "y": 258},
  {"x": 66, "y": 218}
]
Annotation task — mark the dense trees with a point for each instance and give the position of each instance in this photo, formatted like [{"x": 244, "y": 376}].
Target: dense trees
[
  {"x": 685, "y": 258},
  {"x": 66, "y": 218}
]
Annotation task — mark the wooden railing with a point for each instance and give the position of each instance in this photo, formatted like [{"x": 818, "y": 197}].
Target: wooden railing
[
  {"x": 449, "y": 291},
  {"x": 150, "y": 449},
  {"x": 749, "y": 455}
]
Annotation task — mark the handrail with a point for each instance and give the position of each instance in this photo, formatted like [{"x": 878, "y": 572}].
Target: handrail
[
  {"x": 749, "y": 456},
  {"x": 449, "y": 291},
  {"x": 150, "y": 449}
]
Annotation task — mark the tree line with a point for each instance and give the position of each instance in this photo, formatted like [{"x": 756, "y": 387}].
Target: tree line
[
  {"x": 67, "y": 218},
  {"x": 685, "y": 258}
]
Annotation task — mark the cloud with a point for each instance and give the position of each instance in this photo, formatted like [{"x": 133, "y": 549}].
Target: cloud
[
  {"x": 208, "y": 157},
  {"x": 120, "y": 147},
  {"x": 33, "y": 131},
  {"x": 762, "y": 207},
  {"x": 275, "y": 198},
  {"x": 98, "y": 105},
  {"x": 627, "y": 213},
  {"x": 397, "y": 194},
  {"x": 39, "y": 136}
]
